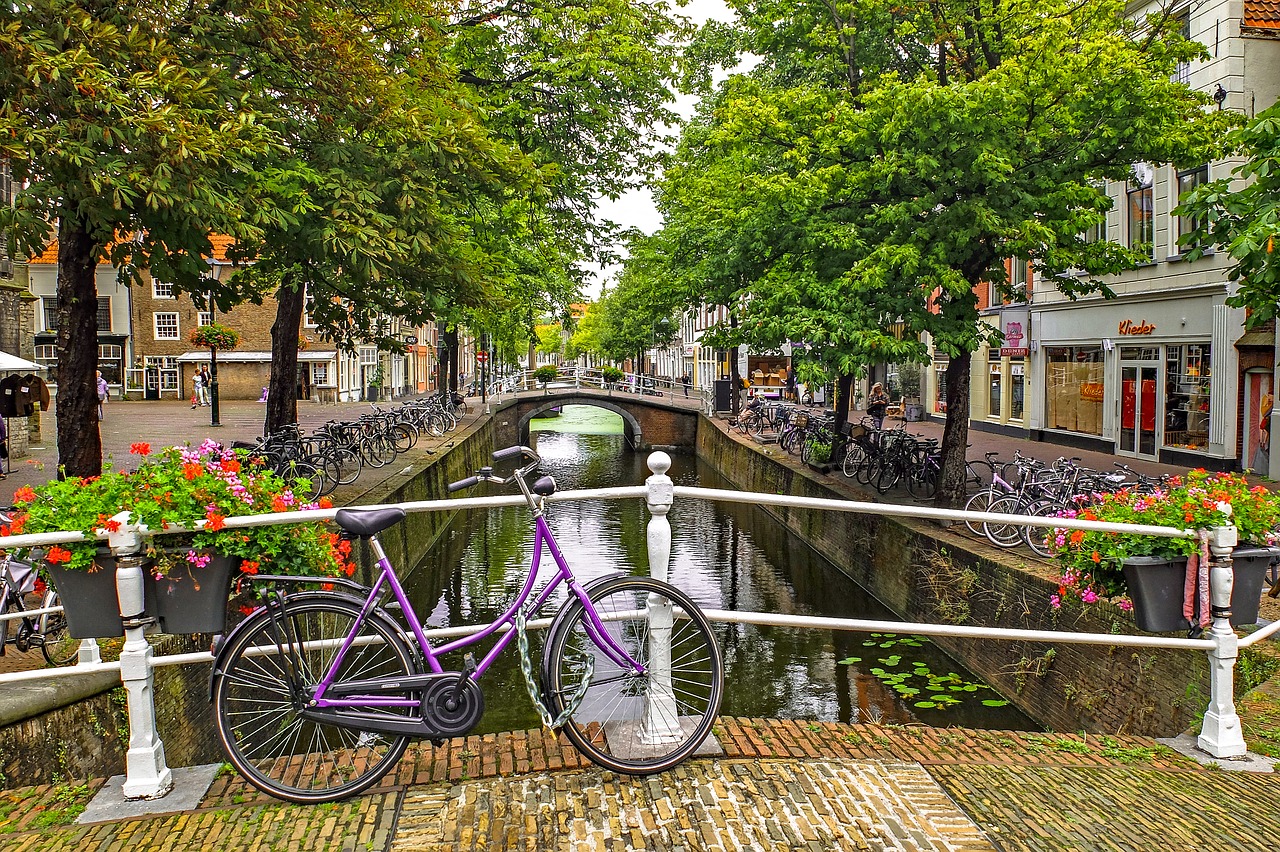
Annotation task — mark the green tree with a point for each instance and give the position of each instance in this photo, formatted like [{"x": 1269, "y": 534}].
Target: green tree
[
  {"x": 1245, "y": 220},
  {"x": 129, "y": 138},
  {"x": 862, "y": 193}
]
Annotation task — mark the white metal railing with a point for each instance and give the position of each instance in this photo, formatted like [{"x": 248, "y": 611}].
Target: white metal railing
[
  {"x": 148, "y": 777},
  {"x": 593, "y": 378}
]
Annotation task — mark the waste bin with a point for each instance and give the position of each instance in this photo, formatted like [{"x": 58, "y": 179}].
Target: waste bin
[{"x": 724, "y": 394}]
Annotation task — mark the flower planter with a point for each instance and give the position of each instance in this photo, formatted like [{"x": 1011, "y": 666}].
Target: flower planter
[
  {"x": 1156, "y": 588},
  {"x": 192, "y": 600}
]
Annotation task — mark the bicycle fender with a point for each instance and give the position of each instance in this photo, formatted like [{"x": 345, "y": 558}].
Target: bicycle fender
[
  {"x": 220, "y": 655},
  {"x": 562, "y": 614}
]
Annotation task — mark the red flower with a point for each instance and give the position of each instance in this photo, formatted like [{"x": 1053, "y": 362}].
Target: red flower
[
  {"x": 1097, "y": 557},
  {"x": 191, "y": 470},
  {"x": 140, "y": 449},
  {"x": 57, "y": 554},
  {"x": 25, "y": 494},
  {"x": 249, "y": 566},
  {"x": 231, "y": 465},
  {"x": 278, "y": 504},
  {"x": 326, "y": 503},
  {"x": 108, "y": 524},
  {"x": 215, "y": 521}
]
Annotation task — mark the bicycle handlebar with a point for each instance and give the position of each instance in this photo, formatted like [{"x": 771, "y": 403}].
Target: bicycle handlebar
[{"x": 464, "y": 483}]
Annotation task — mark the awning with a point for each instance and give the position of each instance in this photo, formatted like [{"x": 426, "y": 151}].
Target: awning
[
  {"x": 14, "y": 364},
  {"x": 238, "y": 357},
  {"x": 1257, "y": 338}
]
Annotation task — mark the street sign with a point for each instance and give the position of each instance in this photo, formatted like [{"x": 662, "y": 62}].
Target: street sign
[{"x": 482, "y": 356}]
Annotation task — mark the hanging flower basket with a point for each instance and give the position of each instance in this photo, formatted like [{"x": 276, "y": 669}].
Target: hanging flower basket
[{"x": 215, "y": 336}]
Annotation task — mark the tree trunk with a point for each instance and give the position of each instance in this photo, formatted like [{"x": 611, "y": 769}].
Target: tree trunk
[
  {"x": 282, "y": 403},
  {"x": 734, "y": 377},
  {"x": 955, "y": 437},
  {"x": 451, "y": 349},
  {"x": 79, "y": 438}
]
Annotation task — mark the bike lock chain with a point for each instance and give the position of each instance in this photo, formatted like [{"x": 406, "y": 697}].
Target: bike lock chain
[{"x": 526, "y": 667}]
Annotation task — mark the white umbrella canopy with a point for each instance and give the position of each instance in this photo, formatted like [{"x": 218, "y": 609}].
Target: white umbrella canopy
[{"x": 14, "y": 364}]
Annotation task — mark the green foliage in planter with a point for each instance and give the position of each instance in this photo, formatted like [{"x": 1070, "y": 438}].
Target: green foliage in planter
[
  {"x": 612, "y": 375},
  {"x": 196, "y": 489},
  {"x": 819, "y": 453},
  {"x": 546, "y": 373}
]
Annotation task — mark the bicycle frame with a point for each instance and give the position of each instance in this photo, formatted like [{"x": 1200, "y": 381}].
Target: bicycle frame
[{"x": 506, "y": 622}]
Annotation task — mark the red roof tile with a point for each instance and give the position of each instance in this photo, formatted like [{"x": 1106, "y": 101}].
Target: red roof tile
[
  {"x": 1261, "y": 14},
  {"x": 220, "y": 245}
]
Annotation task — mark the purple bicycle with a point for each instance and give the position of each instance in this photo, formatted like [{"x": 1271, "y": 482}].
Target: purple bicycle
[{"x": 318, "y": 692}]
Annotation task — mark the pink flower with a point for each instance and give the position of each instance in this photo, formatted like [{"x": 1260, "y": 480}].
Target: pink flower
[
  {"x": 1089, "y": 596},
  {"x": 199, "y": 560},
  {"x": 1055, "y": 601},
  {"x": 1126, "y": 605}
]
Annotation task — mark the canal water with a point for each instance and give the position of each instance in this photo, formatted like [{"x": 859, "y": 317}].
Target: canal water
[{"x": 725, "y": 556}]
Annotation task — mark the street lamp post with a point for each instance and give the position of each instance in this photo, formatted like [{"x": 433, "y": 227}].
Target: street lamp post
[{"x": 213, "y": 353}]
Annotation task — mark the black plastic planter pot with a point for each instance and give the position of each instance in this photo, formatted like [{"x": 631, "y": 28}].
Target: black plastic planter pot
[
  {"x": 1156, "y": 587},
  {"x": 192, "y": 600}
]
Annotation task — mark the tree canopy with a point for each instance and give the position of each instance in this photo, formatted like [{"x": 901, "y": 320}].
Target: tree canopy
[{"x": 885, "y": 158}]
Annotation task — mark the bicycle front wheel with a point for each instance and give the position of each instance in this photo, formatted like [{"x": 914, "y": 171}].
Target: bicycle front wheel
[
  {"x": 636, "y": 723},
  {"x": 57, "y": 644},
  {"x": 269, "y": 671}
]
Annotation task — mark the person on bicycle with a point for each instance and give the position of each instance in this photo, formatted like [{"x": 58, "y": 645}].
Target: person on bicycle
[{"x": 877, "y": 404}]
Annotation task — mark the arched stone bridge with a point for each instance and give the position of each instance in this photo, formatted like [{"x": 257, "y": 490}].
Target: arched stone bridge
[{"x": 648, "y": 420}]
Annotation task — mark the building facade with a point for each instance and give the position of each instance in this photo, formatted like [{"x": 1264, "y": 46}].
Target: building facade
[{"x": 1165, "y": 370}]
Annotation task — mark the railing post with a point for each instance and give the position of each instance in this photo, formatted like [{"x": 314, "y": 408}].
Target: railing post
[
  {"x": 660, "y": 717},
  {"x": 1220, "y": 735},
  {"x": 146, "y": 775}
]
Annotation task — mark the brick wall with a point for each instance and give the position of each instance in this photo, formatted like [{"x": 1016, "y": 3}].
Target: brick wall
[{"x": 927, "y": 574}]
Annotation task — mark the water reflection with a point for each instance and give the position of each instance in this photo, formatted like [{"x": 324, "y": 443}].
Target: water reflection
[{"x": 725, "y": 556}]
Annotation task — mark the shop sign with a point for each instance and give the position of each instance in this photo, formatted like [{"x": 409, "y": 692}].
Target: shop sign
[
  {"x": 1091, "y": 391},
  {"x": 410, "y": 340},
  {"x": 1132, "y": 328},
  {"x": 1015, "y": 325}
]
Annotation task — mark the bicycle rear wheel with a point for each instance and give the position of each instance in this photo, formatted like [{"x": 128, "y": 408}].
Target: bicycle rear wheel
[
  {"x": 609, "y": 726},
  {"x": 265, "y": 679},
  {"x": 1005, "y": 535},
  {"x": 58, "y": 645}
]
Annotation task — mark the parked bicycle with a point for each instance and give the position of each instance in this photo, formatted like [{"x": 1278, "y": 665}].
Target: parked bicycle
[
  {"x": 317, "y": 693},
  {"x": 21, "y": 590}
]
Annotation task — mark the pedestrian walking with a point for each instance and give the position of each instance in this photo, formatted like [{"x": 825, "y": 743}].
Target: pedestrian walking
[
  {"x": 197, "y": 383},
  {"x": 102, "y": 395},
  {"x": 877, "y": 404},
  {"x": 685, "y": 380},
  {"x": 206, "y": 385}
]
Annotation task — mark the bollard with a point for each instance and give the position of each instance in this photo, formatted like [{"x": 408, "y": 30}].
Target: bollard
[
  {"x": 661, "y": 724},
  {"x": 1221, "y": 735},
  {"x": 146, "y": 775}
]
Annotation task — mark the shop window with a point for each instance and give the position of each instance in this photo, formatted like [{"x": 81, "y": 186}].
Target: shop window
[
  {"x": 320, "y": 373},
  {"x": 1186, "y": 405},
  {"x": 1074, "y": 388},
  {"x": 1141, "y": 207},
  {"x": 46, "y": 355},
  {"x": 940, "y": 400}
]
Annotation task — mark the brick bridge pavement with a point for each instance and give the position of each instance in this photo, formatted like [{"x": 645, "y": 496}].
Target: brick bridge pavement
[{"x": 782, "y": 785}]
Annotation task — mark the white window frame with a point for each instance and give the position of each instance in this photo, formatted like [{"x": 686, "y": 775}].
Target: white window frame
[
  {"x": 204, "y": 317},
  {"x": 320, "y": 374},
  {"x": 161, "y": 290},
  {"x": 177, "y": 325}
]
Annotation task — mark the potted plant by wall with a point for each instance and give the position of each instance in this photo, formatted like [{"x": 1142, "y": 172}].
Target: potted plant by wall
[
  {"x": 1150, "y": 575},
  {"x": 546, "y": 374},
  {"x": 816, "y": 453},
  {"x": 611, "y": 376},
  {"x": 189, "y": 575}
]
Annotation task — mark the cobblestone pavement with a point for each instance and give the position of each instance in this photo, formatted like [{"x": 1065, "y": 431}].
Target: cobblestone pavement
[{"x": 782, "y": 786}]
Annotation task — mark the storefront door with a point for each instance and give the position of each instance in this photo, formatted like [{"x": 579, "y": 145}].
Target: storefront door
[{"x": 1139, "y": 416}]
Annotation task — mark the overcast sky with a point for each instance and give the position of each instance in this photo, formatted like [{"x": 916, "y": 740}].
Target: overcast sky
[{"x": 635, "y": 209}]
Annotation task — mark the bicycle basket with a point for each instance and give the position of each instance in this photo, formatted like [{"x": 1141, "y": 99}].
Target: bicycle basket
[
  {"x": 855, "y": 430},
  {"x": 800, "y": 419}
]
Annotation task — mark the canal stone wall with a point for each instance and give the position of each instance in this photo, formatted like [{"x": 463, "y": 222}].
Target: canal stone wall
[
  {"x": 925, "y": 573},
  {"x": 89, "y": 736}
]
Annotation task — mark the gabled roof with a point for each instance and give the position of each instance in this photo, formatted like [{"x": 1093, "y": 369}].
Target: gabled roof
[
  {"x": 220, "y": 243},
  {"x": 1261, "y": 15}
]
